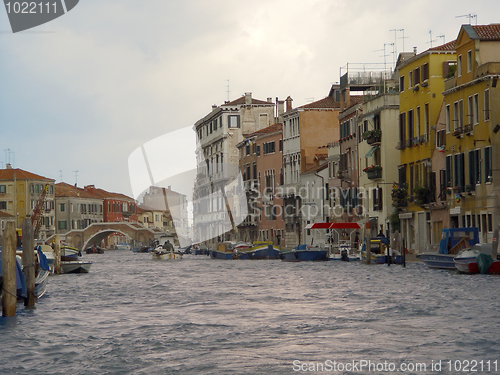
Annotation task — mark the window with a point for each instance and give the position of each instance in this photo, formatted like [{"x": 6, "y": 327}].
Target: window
[
  {"x": 425, "y": 72},
  {"x": 475, "y": 111},
  {"x": 410, "y": 125},
  {"x": 448, "y": 119},
  {"x": 426, "y": 119},
  {"x": 62, "y": 208},
  {"x": 410, "y": 79},
  {"x": 417, "y": 122},
  {"x": 377, "y": 199},
  {"x": 263, "y": 120},
  {"x": 440, "y": 138},
  {"x": 469, "y": 61},
  {"x": 486, "y": 105},
  {"x": 280, "y": 145},
  {"x": 401, "y": 83},
  {"x": 416, "y": 76},
  {"x": 3, "y": 189},
  {"x": 62, "y": 224},
  {"x": 3, "y": 205},
  {"x": 488, "y": 168},
  {"x": 459, "y": 170},
  {"x": 459, "y": 67},
  {"x": 234, "y": 121},
  {"x": 268, "y": 147},
  {"x": 449, "y": 171},
  {"x": 474, "y": 168}
]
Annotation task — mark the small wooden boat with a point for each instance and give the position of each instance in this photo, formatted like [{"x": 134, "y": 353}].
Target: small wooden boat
[
  {"x": 162, "y": 254},
  {"x": 75, "y": 266},
  {"x": 94, "y": 250}
]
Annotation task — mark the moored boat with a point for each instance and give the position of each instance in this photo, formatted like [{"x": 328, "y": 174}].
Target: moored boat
[
  {"x": 75, "y": 266},
  {"x": 94, "y": 250},
  {"x": 304, "y": 253},
  {"x": 453, "y": 240},
  {"x": 380, "y": 252}
]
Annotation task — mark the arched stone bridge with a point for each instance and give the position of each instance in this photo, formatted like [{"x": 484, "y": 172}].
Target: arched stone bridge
[{"x": 96, "y": 232}]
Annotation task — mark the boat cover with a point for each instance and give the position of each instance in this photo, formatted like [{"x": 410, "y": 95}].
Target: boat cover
[
  {"x": 42, "y": 259},
  {"x": 484, "y": 262},
  {"x": 20, "y": 279}
]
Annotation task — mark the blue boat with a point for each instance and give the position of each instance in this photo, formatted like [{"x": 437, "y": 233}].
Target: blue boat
[
  {"x": 304, "y": 253},
  {"x": 244, "y": 251},
  {"x": 453, "y": 240}
]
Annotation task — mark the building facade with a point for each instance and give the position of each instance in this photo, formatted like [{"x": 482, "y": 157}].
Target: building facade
[
  {"x": 76, "y": 208},
  {"x": 20, "y": 191},
  {"x": 472, "y": 131},
  {"x": 421, "y": 84}
]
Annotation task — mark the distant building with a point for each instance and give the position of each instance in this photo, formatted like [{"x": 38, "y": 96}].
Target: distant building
[
  {"x": 20, "y": 191},
  {"x": 116, "y": 206},
  {"x": 472, "y": 131},
  {"x": 261, "y": 164},
  {"x": 305, "y": 130},
  {"x": 76, "y": 208},
  {"x": 218, "y": 164},
  {"x": 421, "y": 84}
]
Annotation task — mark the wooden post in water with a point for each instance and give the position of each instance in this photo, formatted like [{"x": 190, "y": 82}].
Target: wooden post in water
[
  {"x": 29, "y": 262},
  {"x": 9, "y": 242},
  {"x": 369, "y": 244},
  {"x": 57, "y": 255},
  {"x": 494, "y": 244}
]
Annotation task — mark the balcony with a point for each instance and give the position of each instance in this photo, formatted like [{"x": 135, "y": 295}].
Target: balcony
[
  {"x": 374, "y": 172},
  {"x": 372, "y": 136}
]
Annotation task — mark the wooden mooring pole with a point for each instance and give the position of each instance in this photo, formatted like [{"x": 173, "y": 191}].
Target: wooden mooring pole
[
  {"x": 57, "y": 255},
  {"x": 29, "y": 262},
  {"x": 9, "y": 242},
  {"x": 494, "y": 244}
]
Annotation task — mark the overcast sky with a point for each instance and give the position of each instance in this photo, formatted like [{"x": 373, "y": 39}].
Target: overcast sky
[{"x": 82, "y": 92}]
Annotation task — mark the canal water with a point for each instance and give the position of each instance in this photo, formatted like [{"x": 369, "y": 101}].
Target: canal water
[{"x": 134, "y": 315}]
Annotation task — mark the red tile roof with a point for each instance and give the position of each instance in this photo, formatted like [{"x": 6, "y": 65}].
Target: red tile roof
[
  {"x": 241, "y": 101},
  {"x": 63, "y": 189},
  {"x": 270, "y": 129},
  {"x": 4, "y": 214},
  {"x": 450, "y": 46},
  {"x": 327, "y": 102},
  {"x": 100, "y": 193},
  {"x": 9, "y": 173},
  {"x": 487, "y": 32}
]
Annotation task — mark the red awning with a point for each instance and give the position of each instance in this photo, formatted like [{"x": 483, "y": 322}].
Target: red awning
[
  {"x": 344, "y": 226},
  {"x": 318, "y": 226}
]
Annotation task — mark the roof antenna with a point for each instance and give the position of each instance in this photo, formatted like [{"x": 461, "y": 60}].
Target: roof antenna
[
  {"x": 470, "y": 17},
  {"x": 76, "y": 178}
]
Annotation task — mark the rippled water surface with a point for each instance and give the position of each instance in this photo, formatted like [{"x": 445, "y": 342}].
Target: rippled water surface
[{"x": 133, "y": 315}]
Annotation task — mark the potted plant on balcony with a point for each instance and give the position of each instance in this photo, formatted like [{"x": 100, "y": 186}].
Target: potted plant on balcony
[
  {"x": 373, "y": 171},
  {"x": 372, "y": 136},
  {"x": 421, "y": 196},
  {"x": 399, "y": 196}
]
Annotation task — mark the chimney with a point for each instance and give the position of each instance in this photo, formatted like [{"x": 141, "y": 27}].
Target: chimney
[
  {"x": 248, "y": 98},
  {"x": 415, "y": 50},
  {"x": 8, "y": 166},
  {"x": 269, "y": 100},
  {"x": 281, "y": 107},
  {"x": 89, "y": 188},
  {"x": 214, "y": 107},
  {"x": 288, "y": 103}
]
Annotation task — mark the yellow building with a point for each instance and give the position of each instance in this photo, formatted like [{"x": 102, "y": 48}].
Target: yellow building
[
  {"x": 421, "y": 83},
  {"x": 472, "y": 117},
  {"x": 19, "y": 193}
]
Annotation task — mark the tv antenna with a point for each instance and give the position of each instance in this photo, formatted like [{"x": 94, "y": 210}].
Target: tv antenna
[
  {"x": 442, "y": 36},
  {"x": 228, "y": 90},
  {"x": 403, "y": 30},
  {"x": 76, "y": 178},
  {"x": 430, "y": 38},
  {"x": 470, "y": 16},
  {"x": 395, "y": 41},
  {"x": 60, "y": 171}
]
